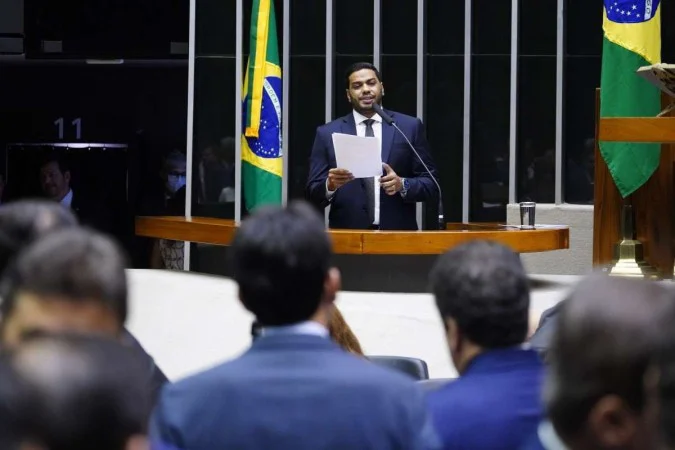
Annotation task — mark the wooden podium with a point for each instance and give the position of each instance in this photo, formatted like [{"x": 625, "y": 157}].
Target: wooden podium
[
  {"x": 653, "y": 203},
  {"x": 370, "y": 261}
]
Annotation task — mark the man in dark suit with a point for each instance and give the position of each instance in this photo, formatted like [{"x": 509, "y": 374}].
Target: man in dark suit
[
  {"x": 294, "y": 388},
  {"x": 55, "y": 180},
  {"x": 386, "y": 202},
  {"x": 482, "y": 294},
  {"x": 22, "y": 224},
  {"x": 609, "y": 332}
]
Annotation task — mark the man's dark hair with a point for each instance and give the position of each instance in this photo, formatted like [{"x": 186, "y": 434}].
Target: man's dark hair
[
  {"x": 608, "y": 331},
  {"x": 17, "y": 407},
  {"x": 91, "y": 391},
  {"x": 482, "y": 286},
  {"x": 24, "y": 221},
  {"x": 78, "y": 264},
  {"x": 60, "y": 160},
  {"x": 281, "y": 257},
  {"x": 664, "y": 363},
  {"x": 360, "y": 66}
]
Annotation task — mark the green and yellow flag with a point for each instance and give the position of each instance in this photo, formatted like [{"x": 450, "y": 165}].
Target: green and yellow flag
[
  {"x": 632, "y": 38},
  {"x": 261, "y": 154}
]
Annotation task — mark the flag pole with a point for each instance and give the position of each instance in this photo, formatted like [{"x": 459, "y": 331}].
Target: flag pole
[{"x": 629, "y": 252}]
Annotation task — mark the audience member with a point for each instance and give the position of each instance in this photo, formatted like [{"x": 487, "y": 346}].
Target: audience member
[
  {"x": 23, "y": 222},
  {"x": 89, "y": 393},
  {"x": 660, "y": 394},
  {"x": 609, "y": 330},
  {"x": 294, "y": 388},
  {"x": 70, "y": 279},
  {"x": 482, "y": 294},
  {"x": 55, "y": 179},
  {"x": 17, "y": 410},
  {"x": 168, "y": 254}
]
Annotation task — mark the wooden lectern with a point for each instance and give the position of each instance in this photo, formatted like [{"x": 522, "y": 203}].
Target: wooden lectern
[{"x": 653, "y": 203}]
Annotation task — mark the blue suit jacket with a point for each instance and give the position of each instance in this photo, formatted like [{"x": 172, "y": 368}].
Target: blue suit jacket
[
  {"x": 293, "y": 392},
  {"x": 349, "y": 203},
  {"x": 494, "y": 405}
]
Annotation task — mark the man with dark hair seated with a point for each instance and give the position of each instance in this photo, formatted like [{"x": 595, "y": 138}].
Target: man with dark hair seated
[
  {"x": 88, "y": 393},
  {"x": 482, "y": 294},
  {"x": 609, "y": 331},
  {"x": 21, "y": 225},
  {"x": 17, "y": 410},
  {"x": 660, "y": 394},
  {"x": 25, "y": 221},
  {"x": 294, "y": 388}
]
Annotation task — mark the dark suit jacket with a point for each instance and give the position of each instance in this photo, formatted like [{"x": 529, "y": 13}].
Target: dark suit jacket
[
  {"x": 293, "y": 392},
  {"x": 156, "y": 378},
  {"x": 349, "y": 203},
  {"x": 494, "y": 405},
  {"x": 541, "y": 339},
  {"x": 92, "y": 213}
]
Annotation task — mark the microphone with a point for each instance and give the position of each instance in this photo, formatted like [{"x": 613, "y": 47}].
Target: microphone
[{"x": 390, "y": 121}]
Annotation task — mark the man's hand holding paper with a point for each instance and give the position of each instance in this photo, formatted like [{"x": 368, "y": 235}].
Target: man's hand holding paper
[{"x": 359, "y": 156}]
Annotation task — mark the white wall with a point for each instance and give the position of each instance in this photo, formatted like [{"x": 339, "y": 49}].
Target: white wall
[
  {"x": 578, "y": 259},
  {"x": 190, "y": 322}
]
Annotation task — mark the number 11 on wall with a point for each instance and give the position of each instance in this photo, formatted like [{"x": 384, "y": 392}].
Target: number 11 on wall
[{"x": 77, "y": 123}]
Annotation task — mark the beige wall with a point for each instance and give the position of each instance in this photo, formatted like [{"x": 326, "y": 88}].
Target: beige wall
[
  {"x": 189, "y": 322},
  {"x": 577, "y": 260}
]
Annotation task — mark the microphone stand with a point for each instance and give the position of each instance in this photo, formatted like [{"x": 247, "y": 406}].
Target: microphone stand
[{"x": 441, "y": 217}]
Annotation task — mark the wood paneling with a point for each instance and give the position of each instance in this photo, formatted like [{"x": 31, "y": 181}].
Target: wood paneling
[
  {"x": 357, "y": 242},
  {"x": 637, "y": 129},
  {"x": 607, "y": 204},
  {"x": 652, "y": 203},
  {"x": 197, "y": 229}
]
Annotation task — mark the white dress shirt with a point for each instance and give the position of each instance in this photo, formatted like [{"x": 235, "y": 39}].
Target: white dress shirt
[
  {"x": 308, "y": 327},
  {"x": 361, "y": 131},
  {"x": 68, "y": 199}
]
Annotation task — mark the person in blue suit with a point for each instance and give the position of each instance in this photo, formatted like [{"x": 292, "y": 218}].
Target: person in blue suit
[
  {"x": 482, "y": 294},
  {"x": 386, "y": 202},
  {"x": 294, "y": 388}
]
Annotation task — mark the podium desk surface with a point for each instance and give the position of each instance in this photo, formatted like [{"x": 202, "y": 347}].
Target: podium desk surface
[{"x": 367, "y": 242}]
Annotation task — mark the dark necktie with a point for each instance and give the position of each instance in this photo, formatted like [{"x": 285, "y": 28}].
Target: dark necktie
[{"x": 370, "y": 182}]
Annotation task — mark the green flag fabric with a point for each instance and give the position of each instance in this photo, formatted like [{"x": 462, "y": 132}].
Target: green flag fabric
[
  {"x": 261, "y": 151},
  {"x": 631, "y": 39}
]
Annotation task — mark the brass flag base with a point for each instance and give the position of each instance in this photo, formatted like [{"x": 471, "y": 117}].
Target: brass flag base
[
  {"x": 629, "y": 253},
  {"x": 630, "y": 263}
]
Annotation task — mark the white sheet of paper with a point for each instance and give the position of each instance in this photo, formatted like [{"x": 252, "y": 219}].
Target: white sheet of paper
[{"x": 360, "y": 155}]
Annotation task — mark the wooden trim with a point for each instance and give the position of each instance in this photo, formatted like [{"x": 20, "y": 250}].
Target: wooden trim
[
  {"x": 637, "y": 129},
  {"x": 196, "y": 229},
  {"x": 653, "y": 203},
  {"x": 361, "y": 242}
]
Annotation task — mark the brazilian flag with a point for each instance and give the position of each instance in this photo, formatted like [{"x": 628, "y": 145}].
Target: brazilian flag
[
  {"x": 261, "y": 140},
  {"x": 632, "y": 38}
]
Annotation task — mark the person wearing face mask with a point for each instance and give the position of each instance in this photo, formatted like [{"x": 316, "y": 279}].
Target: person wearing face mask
[{"x": 168, "y": 254}]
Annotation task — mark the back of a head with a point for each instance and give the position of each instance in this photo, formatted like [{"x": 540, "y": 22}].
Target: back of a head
[
  {"x": 24, "y": 221},
  {"x": 609, "y": 329},
  {"x": 91, "y": 391},
  {"x": 17, "y": 408},
  {"x": 75, "y": 264},
  {"x": 281, "y": 257},
  {"x": 483, "y": 287},
  {"x": 660, "y": 389}
]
